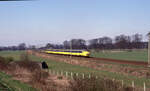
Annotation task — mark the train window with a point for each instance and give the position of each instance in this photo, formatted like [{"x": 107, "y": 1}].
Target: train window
[
  {"x": 66, "y": 51},
  {"x": 56, "y": 50},
  {"x": 76, "y": 51}
]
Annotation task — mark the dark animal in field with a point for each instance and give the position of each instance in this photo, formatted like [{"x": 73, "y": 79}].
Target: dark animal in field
[{"x": 44, "y": 65}]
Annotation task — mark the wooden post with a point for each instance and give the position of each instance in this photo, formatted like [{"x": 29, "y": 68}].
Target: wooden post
[
  {"x": 77, "y": 74},
  {"x": 96, "y": 77},
  {"x": 122, "y": 83},
  {"x": 113, "y": 79},
  {"x": 133, "y": 85},
  {"x": 66, "y": 74},
  {"x": 61, "y": 73},
  {"x": 144, "y": 87},
  {"x": 71, "y": 75},
  {"x": 83, "y": 75},
  {"x": 148, "y": 49},
  {"x": 58, "y": 73},
  {"x": 89, "y": 76}
]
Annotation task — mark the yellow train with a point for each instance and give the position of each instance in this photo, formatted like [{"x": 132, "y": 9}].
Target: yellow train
[{"x": 68, "y": 52}]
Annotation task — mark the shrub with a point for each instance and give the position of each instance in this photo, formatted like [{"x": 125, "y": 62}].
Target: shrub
[
  {"x": 24, "y": 57},
  {"x": 39, "y": 76},
  {"x": 4, "y": 62},
  {"x": 9, "y": 59},
  {"x": 60, "y": 77},
  {"x": 29, "y": 65},
  {"x": 94, "y": 84}
]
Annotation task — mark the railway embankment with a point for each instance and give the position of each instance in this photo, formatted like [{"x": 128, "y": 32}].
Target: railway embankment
[
  {"x": 125, "y": 69},
  {"x": 27, "y": 71}
]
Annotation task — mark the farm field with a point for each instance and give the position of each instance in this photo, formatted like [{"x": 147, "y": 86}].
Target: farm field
[
  {"x": 135, "y": 55},
  {"x": 14, "y": 54},
  {"x": 61, "y": 66}
]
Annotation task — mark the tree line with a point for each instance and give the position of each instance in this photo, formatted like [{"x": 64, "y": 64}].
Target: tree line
[{"x": 119, "y": 42}]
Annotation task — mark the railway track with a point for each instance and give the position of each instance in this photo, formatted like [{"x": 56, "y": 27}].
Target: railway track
[
  {"x": 121, "y": 61},
  {"x": 140, "y": 63},
  {"x": 131, "y": 62}
]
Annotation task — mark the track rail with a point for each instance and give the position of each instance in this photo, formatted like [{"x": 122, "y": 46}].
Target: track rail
[
  {"x": 140, "y": 63},
  {"x": 121, "y": 61}
]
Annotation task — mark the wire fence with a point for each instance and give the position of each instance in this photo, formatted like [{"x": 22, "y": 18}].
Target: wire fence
[{"x": 71, "y": 75}]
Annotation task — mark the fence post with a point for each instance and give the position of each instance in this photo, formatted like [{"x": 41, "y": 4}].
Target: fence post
[
  {"x": 96, "y": 77},
  {"x": 83, "y": 75},
  {"x": 89, "y": 76},
  {"x": 66, "y": 74},
  {"x": 71, "y": 75},
  {"x": 57, "y": 73},
  {"x": 133, "y": 85},
  {"x": 77, "y": 74},
  {"x": 144, "y": 87},
  {"x": 122, "y": 83},
  {"x": 113, "y": 79},
  {"x": 61, "y": 73}
]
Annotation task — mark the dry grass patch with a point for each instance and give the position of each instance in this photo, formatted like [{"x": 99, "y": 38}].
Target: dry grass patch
[{"x": 93, "y": 84}]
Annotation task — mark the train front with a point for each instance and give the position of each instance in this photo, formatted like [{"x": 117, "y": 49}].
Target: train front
[{"x": 86, "y": 53}]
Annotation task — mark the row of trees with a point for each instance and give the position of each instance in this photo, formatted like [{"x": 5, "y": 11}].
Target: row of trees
[
  {"x": 119, "y": 42},
  {"x": 21, "y": 46}
]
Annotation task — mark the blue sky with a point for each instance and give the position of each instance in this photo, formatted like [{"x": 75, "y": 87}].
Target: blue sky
[{"x": 41, "y": 21}]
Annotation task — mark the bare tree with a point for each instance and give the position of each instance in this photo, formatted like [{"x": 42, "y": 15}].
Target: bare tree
[
  {"x": 122, "y": 41},
  {"x": 22, "y": 46},
  {"x": 78, "y": 44},
  {"x": 66, "y": 44},
  {"x": 105, "y": 43},
  {"x": 93, "y": 44},
  {"x": 49, "y": 45},
  {"x": 137, "y": 41}
]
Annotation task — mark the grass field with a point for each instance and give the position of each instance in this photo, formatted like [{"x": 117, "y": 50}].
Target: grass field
[
  {"x": 6, "y": 81},
  {"x": 137, "y": 55},
  {"x": 61, "y": 66},
  {"x": 14, "y": 54},
  {"x": 13, "y": 85}
]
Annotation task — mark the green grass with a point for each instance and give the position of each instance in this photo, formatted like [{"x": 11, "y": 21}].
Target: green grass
[
  {"x": 13, "y": 85},
  {"x": 6, "y": 81},
  {"x": 14, "y": 54},
  {"x": 61, "y": 66},
  {"x": 134, "y": 55}
]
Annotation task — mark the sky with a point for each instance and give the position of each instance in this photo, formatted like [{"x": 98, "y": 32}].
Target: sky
[{"x": 38, "y": 22}]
